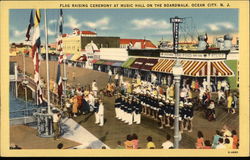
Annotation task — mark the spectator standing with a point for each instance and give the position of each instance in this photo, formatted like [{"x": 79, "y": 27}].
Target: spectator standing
[
  {"x": 116, "y": 79},
  {"x": 167, "y": 144},
  {"x": 56, "y": 124},
  {"x": 234, "y": 103},
  {"x": 101, "y": 113},
  {"x": 110, "y": 75},
  {"x": 75, "y": 105},
  {"x": 150, "y": 144},
  {"x": 229, "y": 102},
  {"x": 200, "y": 140}
]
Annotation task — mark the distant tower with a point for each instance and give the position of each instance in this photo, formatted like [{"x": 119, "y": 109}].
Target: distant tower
[
  {"x": 228, "y": 42},
  {"x": 202, "y": 42}
]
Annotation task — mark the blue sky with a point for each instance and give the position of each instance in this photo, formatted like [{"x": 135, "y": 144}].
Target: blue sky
[{"x": 129, "y": 23}]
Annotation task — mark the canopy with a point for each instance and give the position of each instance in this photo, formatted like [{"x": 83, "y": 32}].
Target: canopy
[
  {"x": 138, "y": 63},
  {"x": 82, "y": 58},
  {"x": 69, "y": 56},
  {"x": 75, "y": 57},
  {"x": 99, "y": 62},
  {"x": 195, "y": 68},
  {"x": 117, "y": 64},
  {"x": 149, "y": 64},
  {"x": 94, "y": 60},
  {"x": 109, "y": 63},
  {"x": 127, "y": 63}
]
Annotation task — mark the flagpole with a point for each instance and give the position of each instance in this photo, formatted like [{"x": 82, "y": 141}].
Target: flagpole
[{"x": 47, "y": 60}]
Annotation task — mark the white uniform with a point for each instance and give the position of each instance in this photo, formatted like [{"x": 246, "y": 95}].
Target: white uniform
[{"x": 101, "y": 114}]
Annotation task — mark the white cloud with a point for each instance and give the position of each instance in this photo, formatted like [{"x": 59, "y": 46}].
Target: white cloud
[
  {"x": 150, "y": 23},
  {"x": 166, "y": 32},
  {"x": 52, "y": 21},
  {"x": 18, "y": 33},
  {"x": 220, "y": 26},
  {"x": 101, "y": 24},
  {"x": 72, "y": 23},
  {"x": 50, "y": 32}
]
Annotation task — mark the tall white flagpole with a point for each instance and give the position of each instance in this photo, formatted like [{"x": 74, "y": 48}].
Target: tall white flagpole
[{"x": 47, "y": 61}]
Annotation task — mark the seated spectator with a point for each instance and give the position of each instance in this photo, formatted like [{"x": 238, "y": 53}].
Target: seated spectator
[
  {"x": 226, "y": 131},
  {"x": 227, "y": 144},
  {"x": 128, "y": 144},
  {"x": 135, "y": 141},
  {"x": 119, "y": 145},
  {"x": 150, "y": 144},
  {"x": 167, "y": 144},
  {"x": 14, "y": 146},
  {"x": 216, "y": 139},
  {"x": 200, "y": 140},
  {"x": 60, "y": 146},
  {"x": 207, "y": 145},
  {"x": 235, "y": 140},
  {"x": 103, "y": 147},
  {"x": 220, "y": 145}
]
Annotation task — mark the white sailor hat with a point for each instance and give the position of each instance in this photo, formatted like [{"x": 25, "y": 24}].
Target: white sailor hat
[
  {"x": 172, "y": 102},
  {"x": 160, "y": 103},
  {"x": 181, "y": 104},
  {"x": 186, "y": 103},
  {"x": 190, "y": 104},
  {"x": 167, "y": 101}
]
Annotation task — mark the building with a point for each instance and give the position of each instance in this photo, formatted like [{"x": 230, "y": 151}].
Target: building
[{"x": 136, "y": 43}]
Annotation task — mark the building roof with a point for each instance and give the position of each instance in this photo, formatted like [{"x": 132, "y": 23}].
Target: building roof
[
  {"x": 88, "y": 32},
  {"x": 144, "y": 43}
]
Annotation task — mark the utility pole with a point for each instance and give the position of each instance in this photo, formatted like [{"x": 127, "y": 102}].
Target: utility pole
[{"x": 177, "y": 72}]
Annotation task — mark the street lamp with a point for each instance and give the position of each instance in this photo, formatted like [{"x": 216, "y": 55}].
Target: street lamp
[{"x": 177, "y": 72}]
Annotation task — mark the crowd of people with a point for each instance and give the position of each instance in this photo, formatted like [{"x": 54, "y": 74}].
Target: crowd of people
[
  {"x": 132, "y": 142},
  {"x": 150, "y": 99},
  {"x": 223, "y": 139}
]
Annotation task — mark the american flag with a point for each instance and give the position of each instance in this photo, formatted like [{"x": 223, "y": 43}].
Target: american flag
[
  {"x": 36, "y": 42},
  {"x": 59, "y": 39},
  {"x": 60, "y": 58}
]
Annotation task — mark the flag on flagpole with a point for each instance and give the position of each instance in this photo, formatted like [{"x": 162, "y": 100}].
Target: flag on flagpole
[
  {"x": 59, "y": 81},
  {"x": 59, "y": 39},
  {"x": 30, "y": 26},
  {"x": 36, "y": 42}
]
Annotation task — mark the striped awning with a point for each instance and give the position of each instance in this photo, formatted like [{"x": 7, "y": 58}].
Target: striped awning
[
  {"x": 195, "y": 68},
  {"x": 127, "y": 63}
]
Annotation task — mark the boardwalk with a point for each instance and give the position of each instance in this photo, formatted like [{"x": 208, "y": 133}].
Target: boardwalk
[{"x": 114, "y": 130}]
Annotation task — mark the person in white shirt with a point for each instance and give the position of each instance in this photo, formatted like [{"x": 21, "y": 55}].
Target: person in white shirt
[
  {"x": 94, "y": 88},
  {"x": 91, "y": 100},
  {"x": 167, "y": 144},
  {"x": 116, "y": 79},
  {"x": 220, "y": 145},
  {"x": 101, "y": 113},
  {"x": 110, "y": 75},
  {"x": 204, "y": 84},
  {"x": 56, "y": 121}
]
